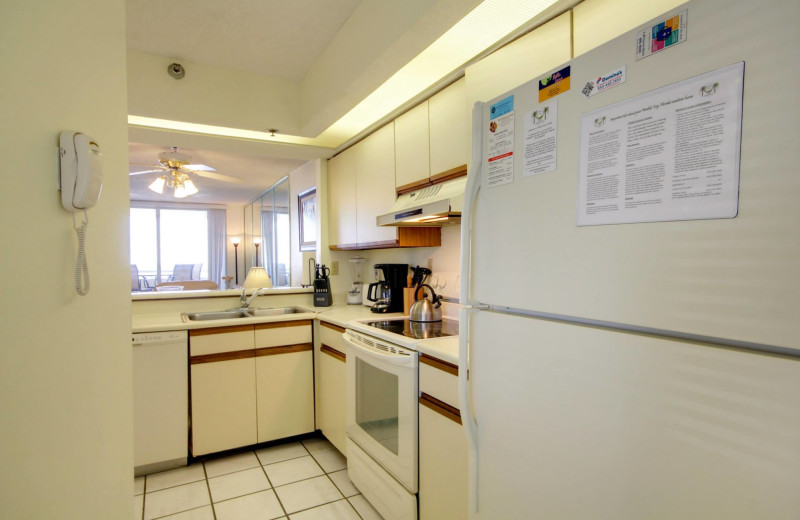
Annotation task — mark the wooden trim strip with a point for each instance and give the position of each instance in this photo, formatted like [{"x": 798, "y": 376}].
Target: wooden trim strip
[
  {"x": 440, "y": 407},
  {"x": 221, "y": 356},
  {"x": 450, "y": 368},
  {"x": 332, "y": 352},
  {"x": 283, "y": 349},
  {"x": 331, "y": 326},
  {"x": 452, "y": 173},
  {"x": 412, "y": 186},
  {"x": 281, "y": 324},
  {"x": 220, "y": 330},
  {"x": 344, "y": 247}
]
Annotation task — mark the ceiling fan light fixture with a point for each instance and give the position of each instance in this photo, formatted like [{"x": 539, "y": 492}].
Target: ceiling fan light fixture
[
  {"x": 180, "y": 191},
  {"x": 190, "y": 188},
  {"x": 158, "y": 185}
]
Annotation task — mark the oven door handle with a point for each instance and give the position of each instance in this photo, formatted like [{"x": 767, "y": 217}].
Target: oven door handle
[{"x": 392, "y": 359}]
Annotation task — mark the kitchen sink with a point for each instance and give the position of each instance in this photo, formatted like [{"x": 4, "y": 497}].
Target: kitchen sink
[
  {"x": 239, "y": 313},
  {"x": 275, "y": 311}
]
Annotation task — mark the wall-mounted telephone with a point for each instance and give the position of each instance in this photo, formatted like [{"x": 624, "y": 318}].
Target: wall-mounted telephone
[
  {"x": 80, "y": 181},
  {"x": 81, "y": 171}
]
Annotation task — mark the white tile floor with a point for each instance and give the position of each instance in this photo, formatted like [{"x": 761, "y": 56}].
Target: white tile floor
[{"x": 300, "y": 480}]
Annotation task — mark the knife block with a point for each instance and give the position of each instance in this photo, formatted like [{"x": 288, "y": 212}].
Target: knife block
[{"x": 322, "y": 292}]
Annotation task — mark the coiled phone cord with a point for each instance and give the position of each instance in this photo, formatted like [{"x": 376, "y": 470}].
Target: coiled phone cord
[{"x": 81, "y": 267}]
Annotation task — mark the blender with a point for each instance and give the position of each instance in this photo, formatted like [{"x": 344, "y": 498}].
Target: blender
[{"x": 354, "y": 296}]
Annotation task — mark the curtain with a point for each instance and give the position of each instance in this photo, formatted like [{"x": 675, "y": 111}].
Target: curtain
[
  {"x": 268, "y": 244},
  {"x": 216, "y": 245}
]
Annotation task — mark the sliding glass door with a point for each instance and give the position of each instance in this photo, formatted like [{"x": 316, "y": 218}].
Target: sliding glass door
[{"x": 169, "y": 244}]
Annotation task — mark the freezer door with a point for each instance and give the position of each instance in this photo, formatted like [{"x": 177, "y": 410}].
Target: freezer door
[
  {"x": 733, "y": 278},
  {"x": 575, "y": 423}
]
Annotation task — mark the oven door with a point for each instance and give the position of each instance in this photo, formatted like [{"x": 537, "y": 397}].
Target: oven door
[{"x": 382, "y": 392}]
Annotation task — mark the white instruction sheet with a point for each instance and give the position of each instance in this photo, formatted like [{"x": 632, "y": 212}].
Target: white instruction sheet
[
  {"x": 669, "y": 154},
  {"x": 541, "y": 129},
  {"x": 500, "y": 169}
]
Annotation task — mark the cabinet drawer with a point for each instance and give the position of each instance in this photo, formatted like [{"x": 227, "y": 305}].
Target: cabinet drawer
[
  {"x": 223, "y": 339},
  {"x": 439, "y": 379},
  {"x": 283, "y": 333},
  {"x": 331, "y": 335}
]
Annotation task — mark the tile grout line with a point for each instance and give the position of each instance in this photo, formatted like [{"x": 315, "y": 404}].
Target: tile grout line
[
  {"x": 208, "y": 488},
  {"x": 263, "y": 469}
]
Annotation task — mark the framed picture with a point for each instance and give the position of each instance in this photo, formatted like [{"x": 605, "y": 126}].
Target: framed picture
[{"x": 307, "y": 219}]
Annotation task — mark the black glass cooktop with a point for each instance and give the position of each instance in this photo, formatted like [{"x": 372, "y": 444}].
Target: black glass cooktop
[{"x": 416, "y": 329}]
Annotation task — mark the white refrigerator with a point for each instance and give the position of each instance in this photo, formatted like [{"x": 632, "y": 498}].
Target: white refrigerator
[{"x": 630, "y": 283}]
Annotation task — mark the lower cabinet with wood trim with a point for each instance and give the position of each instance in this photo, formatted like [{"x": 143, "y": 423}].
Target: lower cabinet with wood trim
[
  {"x": 442, "y": 445},
  {"x": 331, "y": 393},
  {"x": 250, "y": 384},
  {"x": 284, "y": 379}
]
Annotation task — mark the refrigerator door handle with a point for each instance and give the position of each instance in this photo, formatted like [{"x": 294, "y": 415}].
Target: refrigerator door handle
[
  {"x": 467, "y": 417},
  {"x": 469, "y": 307}
]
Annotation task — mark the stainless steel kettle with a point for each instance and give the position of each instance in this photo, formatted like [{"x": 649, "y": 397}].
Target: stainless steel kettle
[{"x": 423, "y": 310}]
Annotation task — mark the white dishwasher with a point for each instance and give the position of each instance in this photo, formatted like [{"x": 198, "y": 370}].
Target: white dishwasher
[{"x": 160, "y": 400}]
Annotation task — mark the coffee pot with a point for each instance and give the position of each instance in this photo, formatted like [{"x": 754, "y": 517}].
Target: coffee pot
[{"x": 387, "y": 292}]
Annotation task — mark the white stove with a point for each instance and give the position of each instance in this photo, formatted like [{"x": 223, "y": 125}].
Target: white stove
[{"x": 382, "y": 415}]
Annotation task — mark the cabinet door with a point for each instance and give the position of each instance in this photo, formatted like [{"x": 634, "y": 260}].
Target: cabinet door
[
  {"x": 223, "y": 404},
  {"x": 332, "y": 394},
  {"x": 375, "y": 185},
  {"x": 342, "y": 199},
  {"x": 442, "y": 465},
  {"x": 411, "y": 147},
  {"x": 285, "y": 391},
  {"x": 450, "y": 125}
]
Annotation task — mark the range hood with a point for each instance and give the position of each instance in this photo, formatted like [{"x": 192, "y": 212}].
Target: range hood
[{"x": 432, "y": 206}]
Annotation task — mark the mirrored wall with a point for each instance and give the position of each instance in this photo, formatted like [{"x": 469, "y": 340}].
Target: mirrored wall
[{"x": 267, "y": 228}]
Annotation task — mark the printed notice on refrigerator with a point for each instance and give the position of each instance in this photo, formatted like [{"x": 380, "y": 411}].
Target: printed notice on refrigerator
[
  {"x": 669, "y": 154},
  {"x": 500, "y": 169},
  {"x": 541, "y": 127},
  {"x": 661, "y": 36}
]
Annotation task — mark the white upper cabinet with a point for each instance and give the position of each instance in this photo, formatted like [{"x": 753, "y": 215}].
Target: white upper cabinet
[
  {"x": 433, "y": 138},
  {"x": 411, "y": 142},
  {"x": 449, "y": 129},
  {"x": 375, "y": 195},
  {"x": 342, "y": 199}
]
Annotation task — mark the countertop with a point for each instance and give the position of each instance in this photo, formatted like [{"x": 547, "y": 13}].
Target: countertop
[{"x": 445, "y": 349}]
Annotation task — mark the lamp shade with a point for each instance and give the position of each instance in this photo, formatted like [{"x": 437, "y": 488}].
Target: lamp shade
[
  {"x": 158, "y": 185},
  {"x": 257, "y": 278}
]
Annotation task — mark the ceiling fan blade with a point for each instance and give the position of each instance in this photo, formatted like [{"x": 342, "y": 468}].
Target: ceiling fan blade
[
  {"x": 199, "y": 167},
  {"x": 218, "y": 177},
  {"x": 146, "y": 171}
]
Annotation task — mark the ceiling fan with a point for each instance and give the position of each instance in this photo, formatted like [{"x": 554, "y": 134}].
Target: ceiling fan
[{"x": 177, "y": 170}]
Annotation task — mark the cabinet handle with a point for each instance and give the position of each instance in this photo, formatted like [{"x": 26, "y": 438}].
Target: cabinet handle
[
  {"x": 284, "y": 349},
  {"x": 440, "y": 407},
  {"x": 332, "y": 352}
]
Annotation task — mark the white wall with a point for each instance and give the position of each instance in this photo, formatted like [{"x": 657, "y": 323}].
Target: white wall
[{"x": 66, "y": 439}]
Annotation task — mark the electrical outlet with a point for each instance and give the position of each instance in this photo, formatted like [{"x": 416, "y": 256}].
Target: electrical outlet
[
  {"x": 334, "y": 268},
  {"x": 430, "y": 264}
]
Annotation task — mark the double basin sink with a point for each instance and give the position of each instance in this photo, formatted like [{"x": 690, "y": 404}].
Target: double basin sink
[{"x": 231, "y": 314}]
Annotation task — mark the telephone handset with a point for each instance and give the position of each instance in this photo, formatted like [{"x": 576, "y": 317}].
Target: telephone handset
[
  {"x": 80, "y": 181},
  {"x": 81, "y": 171}
]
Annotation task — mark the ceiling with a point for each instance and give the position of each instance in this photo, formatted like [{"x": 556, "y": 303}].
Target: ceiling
[
  {"x": 297, "y": 66},
  {"x": 276, "y": 38}
]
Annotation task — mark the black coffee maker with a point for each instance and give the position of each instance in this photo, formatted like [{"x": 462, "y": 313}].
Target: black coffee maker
[{"x": 387, "y": 293}]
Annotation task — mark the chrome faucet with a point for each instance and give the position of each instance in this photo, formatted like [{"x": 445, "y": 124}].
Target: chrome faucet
[{"x": 245, "y": 301}]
